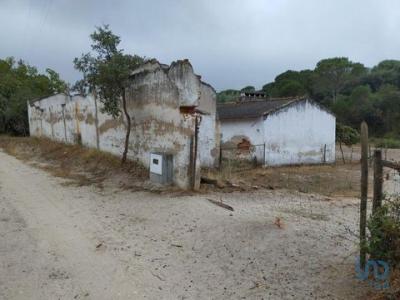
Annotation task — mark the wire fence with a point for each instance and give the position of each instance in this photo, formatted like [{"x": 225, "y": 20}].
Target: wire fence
[
  {"x": 243, "y": 166},
  {"x": 391, "y": 183},
  {"x": 391, "y": 177},
  {"x": 246, "y": 156}
]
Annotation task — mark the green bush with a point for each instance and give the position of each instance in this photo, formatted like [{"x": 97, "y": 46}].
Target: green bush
[
  {"x": 387, "y": 143},
  {"x": 383, "y": 241},
  {"x": 346, "y": 135}
]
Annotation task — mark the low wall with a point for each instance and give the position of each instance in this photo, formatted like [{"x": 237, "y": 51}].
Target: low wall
[
  {"x": 154, "y": 99},
  {"x": 73, "y": 120}
]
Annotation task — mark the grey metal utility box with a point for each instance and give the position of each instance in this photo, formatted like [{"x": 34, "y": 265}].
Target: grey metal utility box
[{"x": 161, "y": 168}]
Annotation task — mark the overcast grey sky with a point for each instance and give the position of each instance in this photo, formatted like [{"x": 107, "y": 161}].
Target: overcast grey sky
[{"x": 231, "y": 43}]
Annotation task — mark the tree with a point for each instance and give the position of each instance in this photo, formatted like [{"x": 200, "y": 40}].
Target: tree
[
  {"x": 106, "y": 72},
  {"x": 352, "y": 91},
  {"x": 227, "y": 96},
  {"x": 269, "y": 89},
  {"x": 20, "y": 82},
  {"x": 289, "y": 84},
  {"x": 332, "y": 75},
  {"x": 388, "y": 104},
  {"x": 248, "y": 89},
  {"x": 346, "y": 135},
  {"x": 386, "y": 72},
  {"x": 56, "y": 84},
  {"x": 291, "y": 88}
]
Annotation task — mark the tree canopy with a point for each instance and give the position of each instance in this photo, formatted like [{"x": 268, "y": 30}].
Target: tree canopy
[
  {"x": 351, "y": 90},
  {"x": 20, "y": 82},
  {"x": 106, "y": 71},
  {"x": 248, "y": 89}
]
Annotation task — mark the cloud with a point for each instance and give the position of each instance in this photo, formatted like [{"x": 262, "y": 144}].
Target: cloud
[{"x": 230, "y": 43}]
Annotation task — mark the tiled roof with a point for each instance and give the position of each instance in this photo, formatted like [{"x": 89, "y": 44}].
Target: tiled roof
[{"x": 252, "y": 108}]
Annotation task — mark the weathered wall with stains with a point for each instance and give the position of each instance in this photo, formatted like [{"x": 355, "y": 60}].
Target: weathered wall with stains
[
  {"x": 209, "y": 133},
  {"x": 154, "y": 100},
  {"x": 298, "y": 134},
  {"x": 45, "y": 117},
  {"x": 236, "y": 131},
  {"x": 64, "y": 118}
]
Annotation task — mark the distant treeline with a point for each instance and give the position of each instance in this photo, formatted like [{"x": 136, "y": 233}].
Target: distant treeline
[
  {"x": 20, "y": 82},
  {"x": 351, "y": 90}
]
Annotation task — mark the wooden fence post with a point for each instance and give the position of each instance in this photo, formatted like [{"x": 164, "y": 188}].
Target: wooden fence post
[
  {"x": 192, "y": 171},
  {"x": 96, "y": 119},
  {"x": 369, "y": 155},
  {"x": 196, "y": 176},
  {"x": 364, "y": 191},
  {"x": 386, "y": 149},
  {"x": 264, "y": 155},
  {"x": 378, "y": 180},
  {"x": 220, "y": 158},
  {"x": 65, "y": 125}
]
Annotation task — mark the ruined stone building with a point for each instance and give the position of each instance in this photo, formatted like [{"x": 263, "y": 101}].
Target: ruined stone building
[
  {"x": 279, "y": 131},
  {"x": 166, "y": 102},
  {"x": 163, "y": 102}
]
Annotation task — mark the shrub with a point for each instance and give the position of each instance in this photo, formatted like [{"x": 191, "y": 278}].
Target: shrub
[
  {"x": 387, "y": 143},
  {"x": 383, "y": 241},
  {"x": 346, "y": 135}
]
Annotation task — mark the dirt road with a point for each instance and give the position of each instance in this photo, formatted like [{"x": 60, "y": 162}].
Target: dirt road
[{"x": 63, "y": 242}]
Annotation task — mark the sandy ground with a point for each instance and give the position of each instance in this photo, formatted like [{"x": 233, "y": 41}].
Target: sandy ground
[{"x": 58, "y": 241}]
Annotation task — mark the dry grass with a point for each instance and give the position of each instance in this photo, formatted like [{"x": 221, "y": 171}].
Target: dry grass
[
  {"x": 82, "y": 166},
  {"x": 330, "y": 180},
  {"x": 393, "y": 292}
]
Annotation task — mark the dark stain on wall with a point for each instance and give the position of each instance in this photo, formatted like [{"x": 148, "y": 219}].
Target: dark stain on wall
[
  {"x": 236, "y": 141},
  {"x": 90, "y": 119},
  {"x": 111, "y": 123}
]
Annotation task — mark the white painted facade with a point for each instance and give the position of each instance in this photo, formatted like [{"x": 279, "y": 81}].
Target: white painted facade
[
  {"x": 235, "y": 131},
  {"x": 299, "y": 133}
]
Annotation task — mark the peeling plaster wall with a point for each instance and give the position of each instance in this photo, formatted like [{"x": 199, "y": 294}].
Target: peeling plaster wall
[
  {"x": 298, "y": 133},
  {"x": 45, "y": 115},
  {"x": 64, "y": 118},
  {"x": 154, "y": 98},
  {"x": 83, "y": 111},
  {"x": 235, "y": 130},
  {"x": 209, "y": 133},
  {"x": 250, "y": 129}
]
